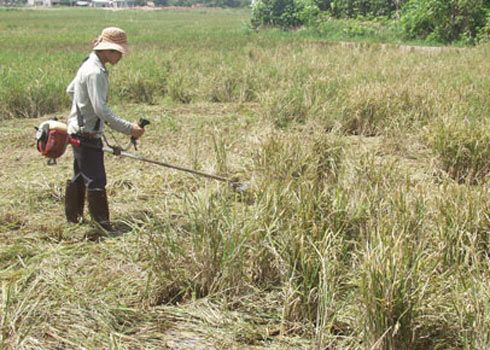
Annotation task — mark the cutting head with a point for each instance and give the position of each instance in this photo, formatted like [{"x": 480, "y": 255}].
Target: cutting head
[{"x": 239, "y": 187}]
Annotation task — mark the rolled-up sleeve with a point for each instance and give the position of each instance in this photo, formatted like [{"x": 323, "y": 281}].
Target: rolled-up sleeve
[{"x": 97, "y": 91}]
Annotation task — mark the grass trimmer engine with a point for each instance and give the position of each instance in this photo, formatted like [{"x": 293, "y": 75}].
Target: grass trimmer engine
[{"x": 52, "y": 139}]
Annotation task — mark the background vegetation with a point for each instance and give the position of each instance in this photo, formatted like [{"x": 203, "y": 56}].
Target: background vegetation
[
  {"x": 366, "y": 225},
  {"x": 434, "y": 21}
]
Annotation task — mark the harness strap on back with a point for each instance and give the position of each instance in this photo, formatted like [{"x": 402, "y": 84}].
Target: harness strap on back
[{"x": 81, "y": 122}]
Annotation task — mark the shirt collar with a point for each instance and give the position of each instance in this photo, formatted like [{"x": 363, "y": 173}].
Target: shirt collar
[{"x": 97, "y": 61}]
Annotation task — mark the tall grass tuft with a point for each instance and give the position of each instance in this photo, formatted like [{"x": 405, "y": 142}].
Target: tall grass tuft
[
  {"x": 145, "y": 85},
  {"x": 391, "y": 288},
  {"x": 41, "y": 95},
  {"x": 212, "y": 242},
  {"x": 315, "y": 158},
  {"x": 283, "y": 107},
  {"x": 371, "y": 109},
  {"x": 462, "y": 226},
  {"x": 179, "y": 88},
  {"x": 463, "y": 148}
]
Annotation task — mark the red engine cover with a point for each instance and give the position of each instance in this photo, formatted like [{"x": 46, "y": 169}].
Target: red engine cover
[{"x": 55, "y": 144}]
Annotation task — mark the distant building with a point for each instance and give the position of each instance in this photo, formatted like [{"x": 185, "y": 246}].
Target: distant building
[
  {"x": 113, "y": 3},
  {"x": 100, "y": 3},
  {"x": 43, "y": 2},
  {"x": 85, "y": 3},
  {"x": 124, "y": 3}
]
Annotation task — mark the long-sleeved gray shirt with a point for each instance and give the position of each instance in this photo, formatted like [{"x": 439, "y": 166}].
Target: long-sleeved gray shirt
[{"x": 89, "y": 91}]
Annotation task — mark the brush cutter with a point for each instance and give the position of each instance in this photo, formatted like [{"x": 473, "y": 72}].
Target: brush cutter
[{"x": 52, "y": 138}]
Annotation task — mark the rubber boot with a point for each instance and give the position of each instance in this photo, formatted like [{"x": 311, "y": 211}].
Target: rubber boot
[
  {"x": 99, "y": 210},
  {"x": 74, "y": 201}
]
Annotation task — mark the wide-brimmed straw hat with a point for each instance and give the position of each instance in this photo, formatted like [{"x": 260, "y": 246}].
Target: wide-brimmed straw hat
[{"x": 112, "y": 38}]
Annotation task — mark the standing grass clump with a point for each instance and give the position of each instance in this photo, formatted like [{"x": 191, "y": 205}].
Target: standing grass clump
[
  {"x": 462, "y": 226},
  {"x": 145, "y": 85},
  {"x": 331, "y": 290},
  {"x": 236, "y": 83},
  {"x": 219, "y": 245},
  {"x": 179, "y": 88},
  {"x": 31, "y": 95},
  {"x": 463, "y": 148},
  {"x": 304, "y": 213},
  {"x": 390, "y": 254},
  {"x": 220, "y": 150},
  {"x": 224, "y": 85},
  {"x": 313, "y": 158},
  {"x": 472, "y": 309},
  {"x": 284, "y": 107},
  {"x": 205, "y": 254},
  {"x": 391, "y": 288},
  {"x": 372, "y": 109}
]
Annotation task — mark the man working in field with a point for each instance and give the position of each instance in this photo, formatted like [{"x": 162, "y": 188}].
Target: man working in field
[{"x": 89, "y": 113}]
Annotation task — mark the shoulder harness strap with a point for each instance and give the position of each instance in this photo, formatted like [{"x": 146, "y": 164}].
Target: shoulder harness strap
[{"x": 81, "y": 122}]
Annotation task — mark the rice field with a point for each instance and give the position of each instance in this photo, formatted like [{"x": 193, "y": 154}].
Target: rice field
[{"x": 365, "y": 225}]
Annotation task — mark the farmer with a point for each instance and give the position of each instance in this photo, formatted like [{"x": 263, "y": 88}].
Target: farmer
[{"x": 88, "y": 115}]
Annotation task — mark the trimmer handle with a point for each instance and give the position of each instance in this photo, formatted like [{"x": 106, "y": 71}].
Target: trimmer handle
[{"x": 142, "y": 123}]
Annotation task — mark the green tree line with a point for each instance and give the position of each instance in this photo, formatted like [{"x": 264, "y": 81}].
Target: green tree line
[{"x": 442, "y": 21}]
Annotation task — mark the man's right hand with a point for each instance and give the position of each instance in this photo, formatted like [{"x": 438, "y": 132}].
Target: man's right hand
[{"x": 137, "y": 131}]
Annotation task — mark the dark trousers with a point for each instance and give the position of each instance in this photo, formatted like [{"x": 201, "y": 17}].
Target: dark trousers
[{"x": 89, "y": 166}]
